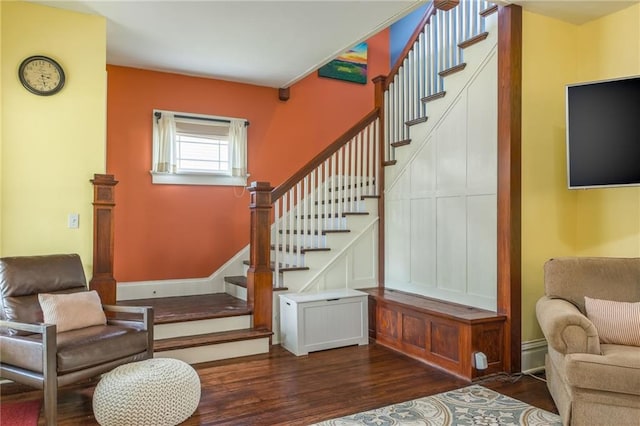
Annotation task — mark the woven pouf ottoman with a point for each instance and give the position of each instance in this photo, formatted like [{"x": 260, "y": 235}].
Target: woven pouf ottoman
[{"x": 154, "y": 392}]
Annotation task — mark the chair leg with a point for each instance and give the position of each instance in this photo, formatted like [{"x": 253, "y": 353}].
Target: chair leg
[
  {"x": 50, "y": 373},
  {"x": 51, "y": 404}
]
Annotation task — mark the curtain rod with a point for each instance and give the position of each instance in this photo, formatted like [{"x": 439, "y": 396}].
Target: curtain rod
[{"x": 158, "y": 114}]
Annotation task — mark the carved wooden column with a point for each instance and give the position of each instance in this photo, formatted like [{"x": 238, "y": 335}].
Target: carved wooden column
[
  {"x": 509, "y": 180},
  {"x": 260, "y": 276},
  {"x": 103, "y": 227},
  {"x": 380, "y": 86}
]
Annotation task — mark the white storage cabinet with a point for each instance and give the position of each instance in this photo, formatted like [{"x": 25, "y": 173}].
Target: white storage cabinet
[{"x": 318, "y": 321}]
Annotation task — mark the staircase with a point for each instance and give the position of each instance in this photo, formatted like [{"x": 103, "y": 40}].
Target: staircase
[{"x": 316, "y": 229}]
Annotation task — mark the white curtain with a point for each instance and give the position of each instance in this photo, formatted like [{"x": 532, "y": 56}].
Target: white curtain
[
  {"x": 164, "y": 153},
  {"x": 238, "y": 145}
]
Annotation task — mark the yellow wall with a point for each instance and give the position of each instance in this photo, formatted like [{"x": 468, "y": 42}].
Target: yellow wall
[
  {"x": 556, "y": 221},
  {"x": 608, "y": 223},
  {"x": 51, "y": 145}
]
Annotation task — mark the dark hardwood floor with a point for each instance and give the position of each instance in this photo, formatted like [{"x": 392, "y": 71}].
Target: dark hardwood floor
[{"x": 282, "y": 389}]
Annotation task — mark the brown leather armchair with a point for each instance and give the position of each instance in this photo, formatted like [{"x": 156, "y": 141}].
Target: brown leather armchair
[{"x": 34, "y": 354}]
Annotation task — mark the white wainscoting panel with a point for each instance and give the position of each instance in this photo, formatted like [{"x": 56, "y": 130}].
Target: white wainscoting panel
[{"x": 441, "y": 204}]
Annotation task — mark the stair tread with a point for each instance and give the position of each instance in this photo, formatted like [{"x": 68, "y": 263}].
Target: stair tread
[
  {"x": 433, "y": 97},
  {"x": 337, "y": 200},
  {"x": 168, "y": 310},
  {"x": 295, "y": 249},
  {"x": 241, "y": 281},
  {"x": 473, "y": 40},
  {"x": 283, "y": 267},
  {"x": 324, "y": 232},
  {"x": 416, "y": 121},
  {"x": 334, "y": 216},
  {"x": 401, "y": 143},
  {"x": 488, "y": 11},
  {"x": 452, "y": 70},
  {"x": 183, "y": 342}
]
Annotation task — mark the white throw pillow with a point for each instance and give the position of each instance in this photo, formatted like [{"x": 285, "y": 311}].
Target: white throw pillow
[
  {"x": 72, "y": 311},
  {"x": 616, "y": 322}
]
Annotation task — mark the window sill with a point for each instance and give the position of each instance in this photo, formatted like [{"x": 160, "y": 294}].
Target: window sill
[{"x": 197, "y": 179}]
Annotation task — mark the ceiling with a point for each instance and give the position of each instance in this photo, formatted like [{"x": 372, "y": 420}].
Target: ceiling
[
  {"x": 263, "y": 42},
  {"x": 268, "y": 43}
]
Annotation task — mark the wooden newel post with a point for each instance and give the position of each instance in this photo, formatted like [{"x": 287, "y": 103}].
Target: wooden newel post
[
  {"x": 380, "y": 83},
  {"x": 103, "y": 227},
  {"x": 260, "y": 276}
]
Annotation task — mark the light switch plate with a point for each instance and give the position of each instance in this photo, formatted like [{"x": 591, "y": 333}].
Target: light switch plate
[{"x": 74, "y": 220}]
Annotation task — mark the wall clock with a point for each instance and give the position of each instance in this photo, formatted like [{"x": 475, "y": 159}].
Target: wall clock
[{"x": 41, "y": 75}]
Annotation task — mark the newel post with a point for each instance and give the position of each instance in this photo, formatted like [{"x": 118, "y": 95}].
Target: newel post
[
  {"x": 103, "y": 228},
  {"x": 259, "y": 276},
  {"x": 379, "y": 88}
]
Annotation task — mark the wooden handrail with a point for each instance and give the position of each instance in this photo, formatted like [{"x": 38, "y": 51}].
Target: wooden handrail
[
  {"x": 324, "y": 154},
  {"x": 431, "y": 10}
]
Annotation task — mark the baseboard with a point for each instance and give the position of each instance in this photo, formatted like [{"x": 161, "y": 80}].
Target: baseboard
[
  {"x": 183, "y": 287},
  {"x": 533, "y": 353}
]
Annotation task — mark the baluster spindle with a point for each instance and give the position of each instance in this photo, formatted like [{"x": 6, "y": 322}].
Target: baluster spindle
[
  {"x": 352, "y": 169},
  {"x": 299, "y": 231},
  {"x": 336, "y": 185}
]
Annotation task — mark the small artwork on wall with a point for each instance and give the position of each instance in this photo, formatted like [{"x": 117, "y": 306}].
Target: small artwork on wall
[{"x": 350, "y": 66}]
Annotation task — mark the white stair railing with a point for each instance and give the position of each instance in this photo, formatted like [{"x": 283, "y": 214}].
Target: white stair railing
[
  {"x": 417, "y": 76},
  {"x": 314, "y": 200}
]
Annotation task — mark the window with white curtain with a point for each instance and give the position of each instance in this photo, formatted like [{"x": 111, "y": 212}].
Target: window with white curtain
[{"x": 195, "y": 149}]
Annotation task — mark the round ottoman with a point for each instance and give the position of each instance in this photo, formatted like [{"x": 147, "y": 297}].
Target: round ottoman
[{"x": 154, "y": 392}]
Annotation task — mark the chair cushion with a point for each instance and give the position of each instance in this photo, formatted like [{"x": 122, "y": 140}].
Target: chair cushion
[
  {"x": 77, "y": 349},
  {"x": 72, "y": 311},
  {"x": 616, "y": 370}
]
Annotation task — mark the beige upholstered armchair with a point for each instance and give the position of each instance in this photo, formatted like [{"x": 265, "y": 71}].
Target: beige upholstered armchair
[
  {"x": 590, "y": 316},
  {"x": 82, "y": 343}
]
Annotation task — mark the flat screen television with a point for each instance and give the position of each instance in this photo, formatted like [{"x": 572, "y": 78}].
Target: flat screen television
[{"x": 603, "y": 133}]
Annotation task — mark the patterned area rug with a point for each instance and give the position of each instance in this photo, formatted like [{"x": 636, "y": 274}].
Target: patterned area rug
[{"x": 473, "y": 405}]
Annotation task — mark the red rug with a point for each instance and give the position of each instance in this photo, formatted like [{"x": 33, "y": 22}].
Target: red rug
[{"x": 20, "y": 413}]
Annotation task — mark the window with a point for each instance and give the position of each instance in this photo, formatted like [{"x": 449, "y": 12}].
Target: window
[{"x": 193, "y": 149}]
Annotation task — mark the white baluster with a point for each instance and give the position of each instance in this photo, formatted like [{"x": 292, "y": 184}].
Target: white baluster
[
  {"x": 377, "y": 162},
  {"x": 277, "y": 242},
  {"x": 372, "y": 160},
  {"x": 312, "y": 203},
  {"x": 420, "y": 79},
  {"x": 327, "y": 194},
  {"x": 299, "y": 228},
  {"x": 364, "y": 177},
  {"x": 305, "y": 214},
  {"x": 337, "y": 181},
  {"x": 292, "y": 225},
  {"x": 359, "y": 166},
  {"x": 351, "y": 146},
  {"x": 387, "y": 122}
]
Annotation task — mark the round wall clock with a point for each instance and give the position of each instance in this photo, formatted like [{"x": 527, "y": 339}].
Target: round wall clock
[{"x": 41, "y": 75}]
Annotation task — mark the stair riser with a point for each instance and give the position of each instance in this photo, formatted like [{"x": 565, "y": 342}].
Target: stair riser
[
  {"x": 236, "y": 290},
  {"x": 218, "y": 351},
  {"x": 192, "y": 328}
]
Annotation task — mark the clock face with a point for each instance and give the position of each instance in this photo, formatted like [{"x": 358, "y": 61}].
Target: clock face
[{"x": 41, "y": 75}]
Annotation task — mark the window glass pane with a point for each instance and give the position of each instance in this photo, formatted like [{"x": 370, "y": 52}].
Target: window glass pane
[{"x": 199, "y": 153}]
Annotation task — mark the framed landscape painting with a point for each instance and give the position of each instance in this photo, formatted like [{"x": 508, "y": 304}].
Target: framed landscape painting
[{"x": 350, "y": 66}]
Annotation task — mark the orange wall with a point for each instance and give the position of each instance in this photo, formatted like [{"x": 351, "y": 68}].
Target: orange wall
[{"x": 178, "y": 231}]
